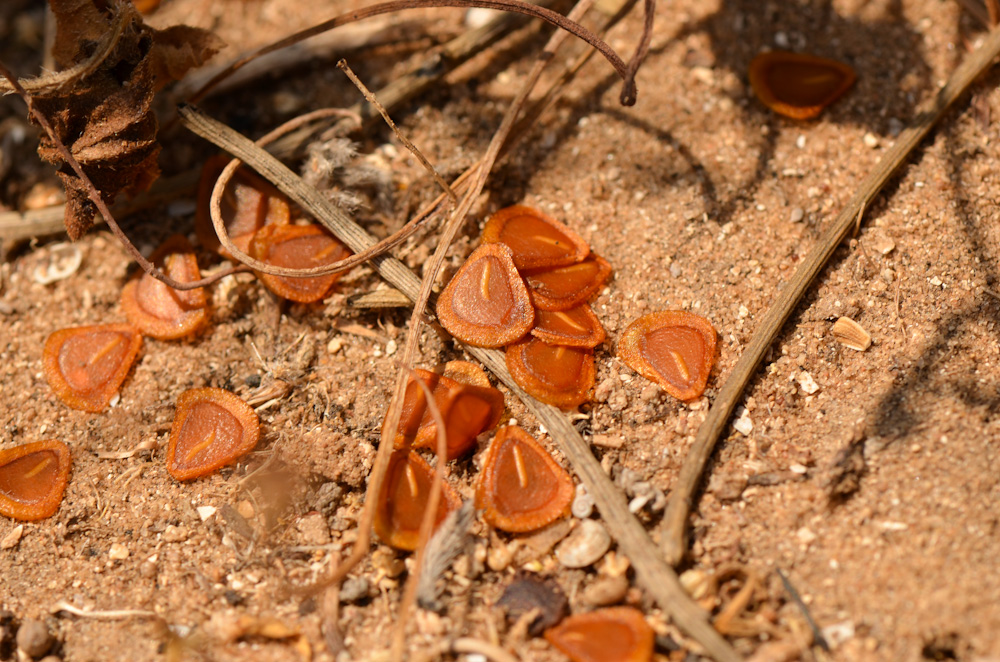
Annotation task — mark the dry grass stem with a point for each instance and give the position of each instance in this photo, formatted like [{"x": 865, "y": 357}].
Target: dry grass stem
[
  {"x": 682, "y": 496},
  {"x": 373, "y": 100}
]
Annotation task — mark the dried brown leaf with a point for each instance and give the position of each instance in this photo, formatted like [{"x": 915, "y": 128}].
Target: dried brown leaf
[{"x": 105, "y": 117}]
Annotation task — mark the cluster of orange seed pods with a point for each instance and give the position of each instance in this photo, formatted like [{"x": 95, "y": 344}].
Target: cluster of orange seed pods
[
  {"x": 526, "y": 288},
  {"x": 521, "y": 488}
]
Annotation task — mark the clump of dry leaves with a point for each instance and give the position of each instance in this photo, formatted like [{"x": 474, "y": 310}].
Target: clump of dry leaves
[{"x": 99, "y": 104}]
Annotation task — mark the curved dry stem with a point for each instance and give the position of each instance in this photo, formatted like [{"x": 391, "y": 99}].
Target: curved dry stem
[
  {"x": 215, "y": 211},
  {"x": 628, "y": 95},
  {"x": 682, "y": 496},
  {"x": 53, "y": 81},
  {"x": 426, "y": 523}
]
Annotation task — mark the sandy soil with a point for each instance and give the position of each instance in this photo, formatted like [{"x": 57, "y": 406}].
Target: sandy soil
[{"x": 702, "y": 200}]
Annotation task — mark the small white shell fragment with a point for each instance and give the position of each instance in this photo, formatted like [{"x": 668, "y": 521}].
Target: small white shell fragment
[
  {"x": 583, "y": 503},
  {"x": 584, "y": 546},
  {"x": 807, "y": 383},
  {"x": 851, "y": 334},
  {"x": 204, "y": 512},
  {"x": 12, "y": 538},
  {"x": 64, "y": 260},
  {"x": 743, "y": 424}
]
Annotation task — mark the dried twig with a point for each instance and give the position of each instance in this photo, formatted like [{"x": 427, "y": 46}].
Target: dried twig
[
  {"x": 654, "y": 575},
  {"x": 102, "y": 615},
  {"x": 682, "y": 496},
  {"x": 628, "y": 95},
  {"x": 98, "y": 200},
  {"x": 797, "y": 599},
  {"x": 373, "y": 100}
]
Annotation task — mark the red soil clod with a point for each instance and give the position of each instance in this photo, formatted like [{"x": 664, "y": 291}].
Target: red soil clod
[
  {"x": 403, "y": 500},
  {"x": 521, "y": 488},
  {"x": 555, "y": 374},
  {"x": 86, "y": 365},
  {"x": 673, "y": 348},
  {"x": 563, "y": 288},
  {"x": 535, "y": 239},
  {"x": 486, "y": 304},
  {"x": 798, "y": 85},
  {"x": 212, "y": 428},
  {"x": 616, "y": 634},
  {"x": 298, "y": 247},
  {"x": 33, "y": 478},
  {"x": 576, "y": 327},
  {"x": 157, "y": 309},
  {"x": 248, "y": 204}
]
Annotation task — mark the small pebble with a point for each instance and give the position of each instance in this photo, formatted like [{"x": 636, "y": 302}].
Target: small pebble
[
  {"x": 175, "y": 533},
  {"x": 797, "y": 215},
  {"x": 584, "y": 546},
  {"x": 313, "y": 529},
  {"x": 606, "y": 591},
  {"x": 34, "y": 639},
  {"x": 807, "y": 383},
  {"x": 743, "y": 424},
  {"x": 870, "y": 140},
  {"x": 354, "y": 589},
  {"x": 118, "y": 552}
]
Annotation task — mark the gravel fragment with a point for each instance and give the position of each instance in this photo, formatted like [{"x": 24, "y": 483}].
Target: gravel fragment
[
  {"x": 354, "y": 589},
  {"x": 606, "y": 591},
  {"x": 584, "y": 546},
  {"x": 34, "y": 639}
]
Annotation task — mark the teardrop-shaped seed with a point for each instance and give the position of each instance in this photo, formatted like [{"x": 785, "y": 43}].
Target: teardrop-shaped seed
[
  {"x": 576, "y": 327},
  {"x": 615, "y": 634},
  {"x": 521, "y": 488},
  {"x": 403, "y": 500},
  {"x": 486, "y": 304},
  {"x": 248, "y": 204},
  {"x": 33, "y": 478},
  {"x": 157, "y": 309},
  {"x": 298, "y": 247},
  {"x": 798, "y": 85},
  {"x": 564, "y": 288},
  {"x": 212, "y": 428},
  {"x": 673, "y": 348},
  {"x": 535, "y": 239},
  {"x": 86, "y": 365},
  {"x": 555, "y": 374}
]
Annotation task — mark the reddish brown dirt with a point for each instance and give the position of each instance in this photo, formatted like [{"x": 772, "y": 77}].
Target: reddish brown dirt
[{"x": 702, "y": 200}]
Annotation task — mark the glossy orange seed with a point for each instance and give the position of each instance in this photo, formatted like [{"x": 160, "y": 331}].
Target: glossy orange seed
[
  {"x": 563, "y": 288},
  {"x": 798, "y": 85},
  {"x": 212, "y": 428},
  {"x": 158, "y": 310},
  {"x": 576, "y": 327},
  {"x": 403, "y": 500},
  {"x": 298, "y": 247},
  {"x": 616, "y": 634},
  {"x": 521, "y": 488},
  {"x": 673, "y": 348},
  {"x": 535, "y": 239},
  {"x": 86, "y": 365},
  {"x": 467, "y": 410},
  {"x": 33, "y": 478},
  {"x": 248, "y": 204},
  {"x": 486, "y": 304},
  {"x": 555, "y": 374}
]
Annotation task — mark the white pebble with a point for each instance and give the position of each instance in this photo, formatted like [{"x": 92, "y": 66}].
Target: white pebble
[
  {"x": 807, "y": 383},
  {"x": 743, "y": 424}
]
